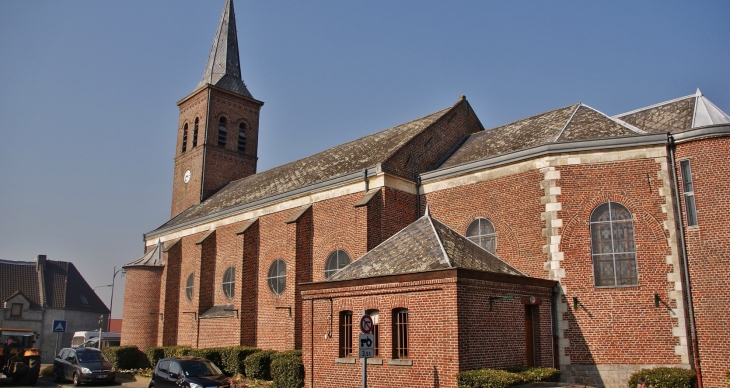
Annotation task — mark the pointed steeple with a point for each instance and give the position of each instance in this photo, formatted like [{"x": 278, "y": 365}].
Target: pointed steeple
[{"x": 224, "y": 68}]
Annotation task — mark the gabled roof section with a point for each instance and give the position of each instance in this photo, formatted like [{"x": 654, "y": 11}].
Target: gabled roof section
[
  {"x": 424, "y": 245},
  {"x": 153, "y": 258},
  {"x": 570, "y": 123},
  {"x": 19, "y": 276},
  {"x": 676, "y": 115},
  {"x": 350, "y": 157},
  {"x": 224, "y": 67}
]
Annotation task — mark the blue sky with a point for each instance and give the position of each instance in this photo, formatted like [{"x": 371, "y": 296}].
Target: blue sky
[{"x": 88, "y": 90}]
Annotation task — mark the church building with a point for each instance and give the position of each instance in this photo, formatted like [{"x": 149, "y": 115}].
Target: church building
[{"x": 590, "y": 243}]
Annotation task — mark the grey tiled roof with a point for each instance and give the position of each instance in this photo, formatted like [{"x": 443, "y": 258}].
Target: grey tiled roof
[
  {"x": 153, "y": 258},
  {"x": 672, "y": 116},
  {"x": 570, "y": 123},
  {"x": 220, "y": 311},
  {"x": 64, "y": 285},
  {"x": 224, "y": 67},
  {"x": 340, "y": 160},
  {"x": 424, "y": 245}
]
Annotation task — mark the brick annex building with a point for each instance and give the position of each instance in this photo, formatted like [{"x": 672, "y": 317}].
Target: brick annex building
[{"x": 573, "y": 239}]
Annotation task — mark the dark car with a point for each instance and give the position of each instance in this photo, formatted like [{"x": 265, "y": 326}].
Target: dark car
[
  {"x": 83, "y": 365},
  {"x": 192, "y": 372}
]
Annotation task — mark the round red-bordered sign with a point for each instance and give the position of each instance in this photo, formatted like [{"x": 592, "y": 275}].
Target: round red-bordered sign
[{"x": 366, "y": 324}]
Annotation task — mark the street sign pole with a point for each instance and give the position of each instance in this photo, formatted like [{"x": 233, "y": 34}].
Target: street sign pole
[{"x": 364, "y": 360}]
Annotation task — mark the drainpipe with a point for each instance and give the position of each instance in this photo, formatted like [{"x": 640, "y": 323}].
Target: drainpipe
[{"x": 671, "y": 147}]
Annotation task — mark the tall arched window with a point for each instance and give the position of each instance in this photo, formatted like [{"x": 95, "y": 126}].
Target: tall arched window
[
  {"x": 229, "y": 282},
  {"x": 189, "y": 286},
  {"x": 612, "y": 244},
  {"x": 277, "y": 276},
  {"x": 336, "y": 261},
  {"x": 185, "y": 138},
  {"x": 242, "y": 138},
  {"x": 222, "y": 132},
  {"x": 195, "y": 132},
  {"x": 481, "y": 231},
  {"x": 345, "y": 333}
]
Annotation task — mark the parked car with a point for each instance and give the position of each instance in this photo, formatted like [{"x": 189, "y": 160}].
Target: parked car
[
  {"x": 83, "y": 365},
  {"x": 192, "y": 372},
  {"x": 94, "y": 343}
]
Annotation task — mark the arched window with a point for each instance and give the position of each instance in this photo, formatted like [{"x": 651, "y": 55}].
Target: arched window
[
  {"x": 242, "y": 138},
  {"x": 277, "y": 276},
  {"x": 195, "y": 132},
  {"x": 336, "y": 261},
  {"x": 189, "y": 286},
  {"x": 229, "y": 282},
  {"x": 481, "y": 231},
  {"x": 222, "y": 132},
  {"x": 185, "y": 138},
  {"x": 612, "y": 243},
  {"x": 345, "y": 333}
]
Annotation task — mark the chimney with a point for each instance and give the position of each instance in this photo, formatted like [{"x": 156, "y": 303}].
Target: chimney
[
  {"x": 40, "y": 268},
  {"x": 41, "y": 262}
]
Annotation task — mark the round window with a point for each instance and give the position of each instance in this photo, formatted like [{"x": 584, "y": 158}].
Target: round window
[
  {"x": 229, "y": 282},
  {"x": 336, "y": 261},
  {"x": 189, "y": 286},
  {"x": 277, "y": 276}
]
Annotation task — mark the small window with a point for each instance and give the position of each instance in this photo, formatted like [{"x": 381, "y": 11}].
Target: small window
[
  {"x": 277, "y": 276},
  {"x": 346, "y": 334},
  {"x": 185, "y": 137},
  {"x": 229, "y": 282},
  {"x": 195, "y": 132},
  {"x": 189, "y": 286},
  {"x": 612, "y": 244},
  {"x": 375, "y": 315},
  {"x": 242, "y": 138},
  {"x": 83, "y": 299},
  {"x": 688, "y": 188},
  {"x": 481, "y": 231},
  {"x": 400, "y": 333},
  {"x": 16, "y": 310},
  {"x": 222, "y": 133},
  {"x": 336, "y": 261}
]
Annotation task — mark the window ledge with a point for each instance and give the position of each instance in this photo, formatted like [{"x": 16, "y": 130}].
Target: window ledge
[
  {"x": 375, "y": 361},
  {"x": 345, "y": 360},
  {"x": 400, "y": 362}
]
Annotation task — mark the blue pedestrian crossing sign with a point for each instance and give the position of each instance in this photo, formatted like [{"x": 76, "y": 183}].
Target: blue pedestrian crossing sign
[{"x": 59, "y": 326}]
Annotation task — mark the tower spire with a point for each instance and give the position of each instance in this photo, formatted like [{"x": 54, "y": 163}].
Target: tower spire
[{"x": 224, "y": 68}]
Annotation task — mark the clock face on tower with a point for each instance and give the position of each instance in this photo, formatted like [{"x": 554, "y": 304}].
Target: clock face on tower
[{"x": 186, "y": 177}]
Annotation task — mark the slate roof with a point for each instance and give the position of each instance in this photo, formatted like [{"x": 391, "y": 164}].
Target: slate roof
[
  {"x": 153, "y": 258},
  {"x": 64, "y": 285},
  {"x": 224, "y": 67},
  {"x": 340, "y": 160},
  {"x": 424, "y": 245},
  {"x": 570, "y": 123},
  {"x": 676, "y": 115}
]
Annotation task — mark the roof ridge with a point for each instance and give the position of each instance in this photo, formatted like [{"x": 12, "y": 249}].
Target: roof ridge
[
  {"x": 568, "y": 122},
  {"x": 694, "y": 95},
  {"x": 618, "y": 121},
  {"x": 527, "y": 118},
  {"x": 446, "y": 260}
]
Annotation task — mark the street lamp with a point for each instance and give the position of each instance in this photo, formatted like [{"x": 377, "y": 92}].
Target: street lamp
[
  {"x": 111, "y": 305},
  {"x": 106, "y": 285}
]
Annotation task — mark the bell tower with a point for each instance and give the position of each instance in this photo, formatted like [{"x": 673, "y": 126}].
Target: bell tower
[{"x": 217, "y": 137}]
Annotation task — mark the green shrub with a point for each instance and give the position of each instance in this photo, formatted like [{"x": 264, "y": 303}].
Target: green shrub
[
  {"x": 232, "y": 359},
  {"x": 665, "y": 377},
  {"x": 126, "y": 357},
  {"x": 47, "y": 371},
  {"x": 258, "y": 365},
  {"x": 487, "y": 378},
  {"x": 727, "y": 378},
  {"x": 176, "y": 351},
  {"x": 154, "y": 354},
  {"x": 212, "y": 354},
  {"x": 287, "y": 369},
  {"x": 534, "y": 375}
]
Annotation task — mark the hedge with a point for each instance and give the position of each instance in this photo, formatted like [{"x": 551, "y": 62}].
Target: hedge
[
  {"x": 212, "y": 354},
  {"x": 126, "y": 357},
  {"x": 493, "y": 378},
  {"x": 665, "y": 377},
  {"x": 287, "y": 369},
  {"x": 727, "y": 378},
  {"x": 258, "y": 365},
  {"x": 232, "y": 359}
]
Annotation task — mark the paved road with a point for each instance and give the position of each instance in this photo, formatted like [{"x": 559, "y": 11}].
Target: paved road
[{"x": 44, "y": 382}]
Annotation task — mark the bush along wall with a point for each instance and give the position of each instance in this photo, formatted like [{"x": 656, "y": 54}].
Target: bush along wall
[
  {"x": 287, "y": 369},
  {"x": 258, "y": 365},
  {"x": 665, "y": 377},
  {"x": 126, "y": 357},
  {"x": 493, "y": 378},
  {"x": 232, "y": 359}
]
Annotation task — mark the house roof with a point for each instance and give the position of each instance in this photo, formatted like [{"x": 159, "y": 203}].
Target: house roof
[
  {"x": 676, "y": 115},
  {"x": 570, "y": 123},
  {"x": 64, "y": 286},
  {"x": 424, "y": 245},
  {"x": 340, "y": 160},
  {"x": 224, "y": 68}
]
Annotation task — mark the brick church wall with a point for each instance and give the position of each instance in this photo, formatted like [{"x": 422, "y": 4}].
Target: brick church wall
[
  {"x": 708, "y": 253},
  {"x": 141, "y": 302},
  {"x": 170, "y": 296}
]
